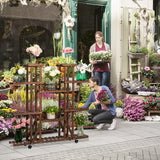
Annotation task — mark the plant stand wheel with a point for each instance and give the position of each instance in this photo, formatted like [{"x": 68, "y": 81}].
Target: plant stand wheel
[
  {"x": 76, "y": 140},
  {"x": 29, "y": 146}
]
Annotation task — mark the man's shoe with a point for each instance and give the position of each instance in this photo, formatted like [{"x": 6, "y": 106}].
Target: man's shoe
[
  {"x": 113, "y": 125},
  {"x": 100, "y": 126}
]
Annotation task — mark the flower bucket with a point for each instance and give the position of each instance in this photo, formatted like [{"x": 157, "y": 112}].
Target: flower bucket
[
  {"x": 81, "y": 76},
  {"x": 50, "y": 116},
  {"x": 18, "y": 135}
]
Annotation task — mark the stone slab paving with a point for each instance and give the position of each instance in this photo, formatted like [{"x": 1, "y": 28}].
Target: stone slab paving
[{"x": 130, "y": 141}]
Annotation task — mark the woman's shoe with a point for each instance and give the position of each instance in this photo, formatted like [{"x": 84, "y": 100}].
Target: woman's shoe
[
  {"x": 113, "y": 125},
  {"x": 100, "y": 126}
]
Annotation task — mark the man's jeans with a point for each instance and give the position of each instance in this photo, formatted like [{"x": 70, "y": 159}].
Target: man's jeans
[{"x": 103, "y": 77}]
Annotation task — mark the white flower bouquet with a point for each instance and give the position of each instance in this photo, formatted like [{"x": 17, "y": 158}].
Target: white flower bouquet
[
  {"x": 18, "y": 73},
  {"x": 83, "y": 67},
  {"x": 101, "y": 55},
  {"x": 50, "y": 73}
]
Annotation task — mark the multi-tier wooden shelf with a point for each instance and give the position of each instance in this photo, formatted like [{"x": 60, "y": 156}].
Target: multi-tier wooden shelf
[{"x": 34, "y": 90}]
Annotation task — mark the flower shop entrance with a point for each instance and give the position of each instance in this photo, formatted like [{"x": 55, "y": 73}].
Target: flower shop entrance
[{"x": 91, "y": 18}]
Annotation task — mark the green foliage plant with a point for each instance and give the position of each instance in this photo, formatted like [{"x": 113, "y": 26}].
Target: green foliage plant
[
  {"x": 154, "y": 59},
  {"x": 51, "y": 109},
  {"x": 138, "y": 49}
]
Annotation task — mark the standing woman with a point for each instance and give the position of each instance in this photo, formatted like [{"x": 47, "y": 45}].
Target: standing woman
[{"x": 100, "y": 68}]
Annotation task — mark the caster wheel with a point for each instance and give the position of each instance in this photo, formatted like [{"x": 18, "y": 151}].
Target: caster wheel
[
  {"x": 29, "y": 147},
  {"x": 76, "y": 140}
]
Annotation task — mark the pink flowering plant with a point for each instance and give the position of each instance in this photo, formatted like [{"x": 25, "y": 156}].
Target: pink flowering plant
[
  {"x": 147, "y": 72},
  {"x": 5, "y": 127},
  {"x": 18, "y": 123},
  {"x": 133, "y": 109},
  {"x": 103, "y": 96},
  {"x": 151, "y": 102},
  {"x": 35, "y": 50}
]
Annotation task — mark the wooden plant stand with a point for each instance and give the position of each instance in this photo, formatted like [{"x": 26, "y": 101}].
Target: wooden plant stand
[{"x": 34, "y": 89}]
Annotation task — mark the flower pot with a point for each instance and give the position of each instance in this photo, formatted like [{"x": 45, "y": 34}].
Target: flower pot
[
  {"x": 150, "y": 80},
  {"x": 18, "y": 78},
  {"x": 4, "y": 91},
  {"x": 136, "y": 55},
  {"x": 50, "y": 116},
  {"x": 18, "y": 135}
]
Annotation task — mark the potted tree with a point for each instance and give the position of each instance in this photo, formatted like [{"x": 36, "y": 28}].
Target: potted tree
[{"x": 51, "y": 110}]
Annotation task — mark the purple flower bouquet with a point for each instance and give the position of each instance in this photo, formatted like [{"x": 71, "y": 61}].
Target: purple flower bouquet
[{"x": 103, "y": 96}]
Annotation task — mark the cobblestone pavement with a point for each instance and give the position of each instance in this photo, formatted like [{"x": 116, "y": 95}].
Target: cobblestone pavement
[
  {"x": 144, "y": 149},
  {"x": 129, "y": 141}
]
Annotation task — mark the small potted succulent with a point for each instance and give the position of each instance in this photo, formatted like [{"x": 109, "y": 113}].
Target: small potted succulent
[
  {"x": 51, "y": 110},
  {"x": 4, "y": 87}
]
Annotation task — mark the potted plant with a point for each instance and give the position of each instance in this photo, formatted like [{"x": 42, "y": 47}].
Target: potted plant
[
  {"x": 154, "y": 59},
  {"x": 4, "y": 87},
  {"x": 81, "y": 69},
  {"x": 18, "y": 124},
  {"x": 18, "y": 73},
  {"x": 51, "y": 110},
  {"x": 101, "y": 56},
  {"x": 5, "y": 127},
  {"x": 79, "y": 119},
  {"x": 154, "y": 63},
  {"x": 133, "y": 109},
  {"x": 147, "y": 74},
  {"x": 137, "y": 51}
]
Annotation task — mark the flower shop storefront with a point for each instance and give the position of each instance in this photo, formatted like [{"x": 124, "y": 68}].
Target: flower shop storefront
[{"x": 53, "y": 30}]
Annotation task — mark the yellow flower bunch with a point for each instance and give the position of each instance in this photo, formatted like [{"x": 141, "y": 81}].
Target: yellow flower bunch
[
  {"x": 9, "y": 110},
  {"x": 92, "y": 106},
  {"x": 22, "y": 94},
  {"x": 118, "y": 103},
  {"x": 80, "y": 105}
]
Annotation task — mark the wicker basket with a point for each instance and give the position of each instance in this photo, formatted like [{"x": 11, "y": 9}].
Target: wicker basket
[{"x": 125, "y": 89}]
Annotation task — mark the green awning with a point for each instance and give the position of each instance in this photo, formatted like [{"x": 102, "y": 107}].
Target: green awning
[{"x": 94, "y": 2}]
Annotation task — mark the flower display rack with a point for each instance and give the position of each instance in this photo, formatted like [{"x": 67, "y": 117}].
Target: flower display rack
[{"x": 33, "y": 110}]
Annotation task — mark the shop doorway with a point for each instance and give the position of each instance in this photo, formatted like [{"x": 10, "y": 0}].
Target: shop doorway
[{"x": 89, "y": 21}]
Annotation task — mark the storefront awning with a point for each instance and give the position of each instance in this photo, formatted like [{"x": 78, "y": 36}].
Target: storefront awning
[{"x": 94, "y": 2}]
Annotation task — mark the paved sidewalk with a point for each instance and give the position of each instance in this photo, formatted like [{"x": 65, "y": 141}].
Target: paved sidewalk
[{"x": 130, "y": 141}]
